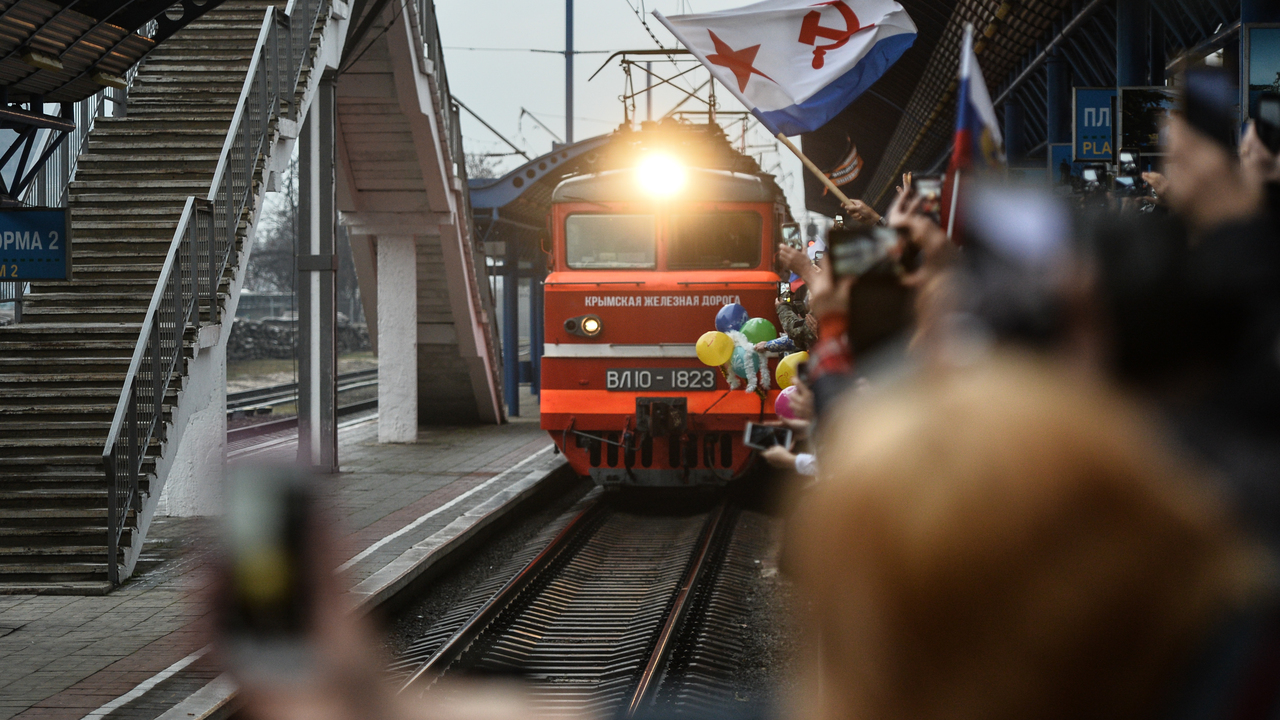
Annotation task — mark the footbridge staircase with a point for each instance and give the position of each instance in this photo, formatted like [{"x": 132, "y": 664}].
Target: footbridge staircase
[{"x": 94, "y": 378}]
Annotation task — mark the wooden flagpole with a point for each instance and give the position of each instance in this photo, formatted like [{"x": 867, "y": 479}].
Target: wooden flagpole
[{"x": 813, "y": 168}]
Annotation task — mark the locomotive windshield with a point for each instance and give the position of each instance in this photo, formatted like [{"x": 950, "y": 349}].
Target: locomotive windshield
[
  {"x": 713, "y": 241},
  {"x": 608, "y": 242}
]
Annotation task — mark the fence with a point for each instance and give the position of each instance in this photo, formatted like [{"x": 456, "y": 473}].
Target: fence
[{"x": 202, "y": 249}]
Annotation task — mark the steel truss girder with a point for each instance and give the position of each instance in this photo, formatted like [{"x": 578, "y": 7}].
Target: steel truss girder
[{"x": 28, "y": 123}]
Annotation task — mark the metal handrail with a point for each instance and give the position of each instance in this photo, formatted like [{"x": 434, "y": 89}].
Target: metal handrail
[
  {"x": 448, "y": 115},
  {"x": 203, "y": 247}
]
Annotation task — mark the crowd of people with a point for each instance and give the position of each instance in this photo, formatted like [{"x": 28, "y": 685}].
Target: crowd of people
[{"x": 1043, "y": 450}]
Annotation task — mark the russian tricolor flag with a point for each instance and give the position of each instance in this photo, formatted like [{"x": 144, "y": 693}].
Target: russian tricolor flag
[
  {"x": 797, "y": 63},
  {"x": 978, "y": 143}
]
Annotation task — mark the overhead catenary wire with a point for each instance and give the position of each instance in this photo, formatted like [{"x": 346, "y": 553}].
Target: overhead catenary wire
[
  {"x": 532, "y": 50},
  {"x": 490, "y": 127}
]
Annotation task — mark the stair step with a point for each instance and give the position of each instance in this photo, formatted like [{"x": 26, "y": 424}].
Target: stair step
[
  {"x": 93, "y": 297},
  {"x": 12, "y": 428},
  {"x": 186, "y": 160},
  {"x": 48, "y": 329},
  {"x": 53, "y": 513},
  {"x": 12, "y": 498},
  {"x": 57, "y": 396},
  {"x": 35, "y": 364},
  {"x": 61, "y": 573},
  {"x": 41, "y": 412},
  {"x": 12, "y": 379},
  {"x": 87, "y": 588},
  {"x": 12, "y": 553}
]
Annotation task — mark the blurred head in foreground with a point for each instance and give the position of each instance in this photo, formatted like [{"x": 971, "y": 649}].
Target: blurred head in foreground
[{"x": 1003, "y": 542}]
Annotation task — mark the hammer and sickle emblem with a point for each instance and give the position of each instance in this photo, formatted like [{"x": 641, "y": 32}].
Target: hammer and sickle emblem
[{"x": 811, "y": 30}]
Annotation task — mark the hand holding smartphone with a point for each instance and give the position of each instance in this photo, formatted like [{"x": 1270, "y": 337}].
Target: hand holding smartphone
[
  {"x": 267, "y": 604},
  {"x": 763, "y": 437}
]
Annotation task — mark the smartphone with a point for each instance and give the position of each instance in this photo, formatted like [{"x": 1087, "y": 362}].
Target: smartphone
[
  {"x": 762, "y": 437},
  {"x": 791, "y": 235},
  {"x": 1268, "y": 121},
  {"x": 1089, "y": 175},
  {"x": 1208, "y": 102},
  {"x": 268, "y": 580},
  {"x": 854, "y": 251},
  {"x": 784, "y": 291},
  {"x": 928, "y": 187}
]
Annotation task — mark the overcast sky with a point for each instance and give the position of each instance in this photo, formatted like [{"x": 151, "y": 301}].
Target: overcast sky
[{"x": 498, "y": 82}]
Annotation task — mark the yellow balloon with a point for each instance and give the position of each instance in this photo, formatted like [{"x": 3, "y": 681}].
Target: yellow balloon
[
  {"x": 715, "y": 348},
  {"x": 787, "y": 368}
]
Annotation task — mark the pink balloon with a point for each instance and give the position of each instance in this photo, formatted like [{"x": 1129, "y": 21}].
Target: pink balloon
[{"x": 782, "y": 406}]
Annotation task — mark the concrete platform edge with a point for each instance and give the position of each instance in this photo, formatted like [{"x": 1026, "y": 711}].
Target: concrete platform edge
[{"x": 216, "y": 700}]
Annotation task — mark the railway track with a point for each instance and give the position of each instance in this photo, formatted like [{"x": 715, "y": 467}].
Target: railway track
[
  {"x": 252, "y": 402},
  {"x": 620, "y": 613}
]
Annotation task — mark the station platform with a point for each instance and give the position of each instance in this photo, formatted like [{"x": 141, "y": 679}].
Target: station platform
[{"x": 140, "y": 652}]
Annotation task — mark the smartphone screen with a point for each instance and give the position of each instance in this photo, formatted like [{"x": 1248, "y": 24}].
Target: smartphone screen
[
  {"x": 266, "y": 605},
  {"x": 928, "y": 187},
  {"x": 855, "y": 252},
  {"x": 762, "y": 437},
  {"x": 791, "y": 235}
]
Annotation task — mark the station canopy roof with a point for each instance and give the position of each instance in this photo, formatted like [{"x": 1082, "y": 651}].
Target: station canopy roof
[
  {"x": 906, "y": 121},
  {"x": 60, "y": 51}
]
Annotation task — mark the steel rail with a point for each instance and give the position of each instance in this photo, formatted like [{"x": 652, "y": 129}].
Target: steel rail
[
  {"x": 287, "y": 392},
  {"x": 650, "y": 678},
  {"x": 288, "y": 423},
  {"x": 453, "y": 648}
]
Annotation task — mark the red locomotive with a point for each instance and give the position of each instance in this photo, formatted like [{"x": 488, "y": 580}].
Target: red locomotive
[{"x": 643, "y": 257}]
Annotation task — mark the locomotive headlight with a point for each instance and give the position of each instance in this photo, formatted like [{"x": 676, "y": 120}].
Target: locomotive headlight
[
  {"x": 661, "y": 175},
  {"x": 584, "y": 326}
]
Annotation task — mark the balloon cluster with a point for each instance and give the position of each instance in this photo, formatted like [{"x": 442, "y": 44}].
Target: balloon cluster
[{"x": 732, "y": 346}]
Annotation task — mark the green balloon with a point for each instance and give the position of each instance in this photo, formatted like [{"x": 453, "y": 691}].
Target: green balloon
[{"x": 759, "y": 330}]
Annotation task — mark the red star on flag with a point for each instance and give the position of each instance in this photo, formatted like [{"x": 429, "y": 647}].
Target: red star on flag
[{"x": 739, "y": 62}]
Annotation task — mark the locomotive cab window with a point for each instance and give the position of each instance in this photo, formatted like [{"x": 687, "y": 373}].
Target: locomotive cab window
[
  {"x": 714, "y": 241},
  {"x": 610, "y": 242}
]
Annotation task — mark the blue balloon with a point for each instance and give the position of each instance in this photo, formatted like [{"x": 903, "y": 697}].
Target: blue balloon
[
  {"x": 744, "y": 362},
  {"x": 731, "y": 317}
]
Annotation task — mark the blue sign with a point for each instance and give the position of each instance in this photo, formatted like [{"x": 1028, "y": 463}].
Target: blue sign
[
  {"x": 1092, "y": 123},
  {"x": 34, "y": 244}
]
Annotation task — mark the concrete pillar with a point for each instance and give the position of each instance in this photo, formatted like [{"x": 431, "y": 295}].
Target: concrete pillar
[
  {"x": 317, "y": 276},
  {"x": 1058, "y": 73},
  {"x": 536, "y": 325},
  {"x": 397, "y": 338},
  {"x": 1133, "y": 21},
  {"x": 511, "y": 328},
  {"x": 1014, "y": 147},
  {"x": 1157, "y": 54}
]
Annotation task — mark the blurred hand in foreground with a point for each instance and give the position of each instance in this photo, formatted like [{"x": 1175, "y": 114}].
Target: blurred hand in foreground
[{"x": 828, "y": 294}]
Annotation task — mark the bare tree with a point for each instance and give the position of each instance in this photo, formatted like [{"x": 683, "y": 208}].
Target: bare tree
[
  {"x": 482, "y": 165},
  {"x": 273, "y": 265}
]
